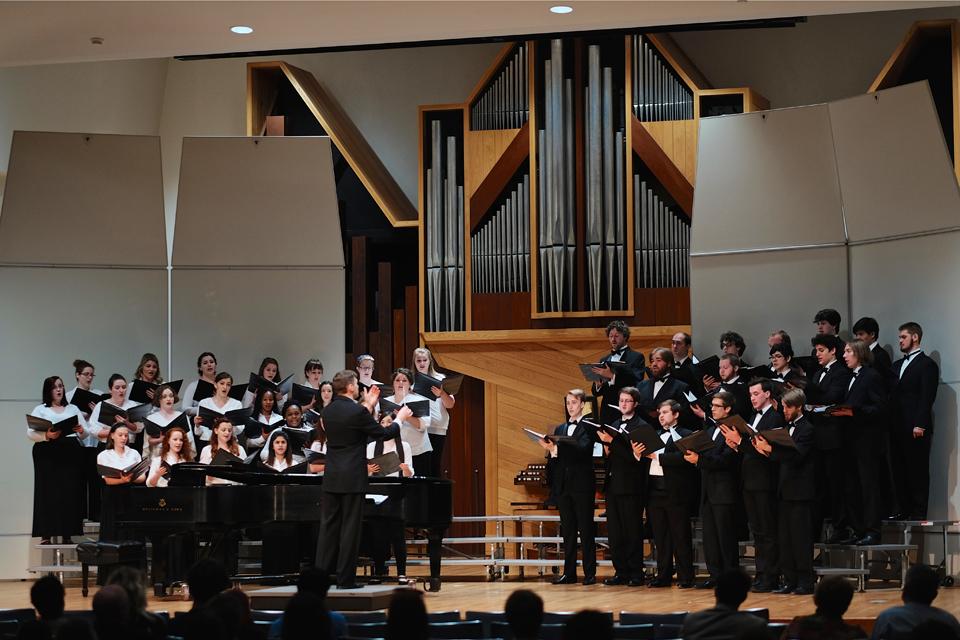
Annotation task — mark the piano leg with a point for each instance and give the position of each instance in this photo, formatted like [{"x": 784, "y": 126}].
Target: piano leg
[{"x": 434, "y": 549}]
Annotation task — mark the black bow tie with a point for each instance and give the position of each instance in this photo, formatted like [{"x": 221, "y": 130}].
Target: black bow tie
[
  {"x": 856, "y": 373},
  {"x": 617, "y": 352}
]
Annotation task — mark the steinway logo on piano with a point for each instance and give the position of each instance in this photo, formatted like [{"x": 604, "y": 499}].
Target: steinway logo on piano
[{"x": 162, "y": 506}]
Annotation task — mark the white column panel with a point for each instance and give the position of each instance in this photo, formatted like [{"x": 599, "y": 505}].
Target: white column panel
[
  {"x": 757, "y": 293},
  {"x": 895, "y": 172}
]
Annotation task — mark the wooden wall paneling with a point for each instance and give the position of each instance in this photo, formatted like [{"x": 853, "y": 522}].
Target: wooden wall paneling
[
  {"x": 690, "y": 162},
  {"x": 401, "y": 353},
  {"x": 490, "y": 188},
  {"x": 490, "y": 441},
  {"x": 482, "y": 149},
  {"x": 374, "y": 339},
  {"x": 683, "y": 65},
  {"x": 465, "y": 454},
  {"x": 411, "y": 325},
  {"x": 358, "y": 293},
  {"x": 263, "y": 82},
  {"x": 494, "y": 311},
  {"x": 662, "y": 167},
  {"x": 384, "y": 353},
  {"x": 275, "y": 126}
]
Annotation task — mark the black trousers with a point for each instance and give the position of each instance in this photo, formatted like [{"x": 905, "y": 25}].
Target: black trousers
[
  {"x": 387, "y": 533},
  {"x": 796, "y": 542},
  {"x": 762, "y": 518},
  {"x": 863, "y": 482},
  {"x": 339, "y": 543},
  {"x": 910, "y": 460},
  {"x": 832, "y": 465},
  {"x": 576, "y": 515},
  {"x": 58, "y": 473},
  {"x": 422, "y": 463},
  {"x": 436, "y": 457},
  {"x": 672, "y": 537},
  {"x": 625, "y": 530},
  {"x": 721, "y": 547}
]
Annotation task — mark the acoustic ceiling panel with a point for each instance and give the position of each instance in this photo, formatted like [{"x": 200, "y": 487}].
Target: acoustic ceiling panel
[
  {"x": 896, "y": 175},
  {"x": 83, "y": 199},
  {"x": 766, "y": 180},
  {"x": 257, "y": 202}
]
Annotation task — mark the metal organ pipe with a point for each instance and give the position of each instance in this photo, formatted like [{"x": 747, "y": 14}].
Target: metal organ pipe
[{"x": 503, "y": 103}]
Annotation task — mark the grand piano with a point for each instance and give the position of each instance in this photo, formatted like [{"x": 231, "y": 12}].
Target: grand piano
[{"x": 186, "y": 505}]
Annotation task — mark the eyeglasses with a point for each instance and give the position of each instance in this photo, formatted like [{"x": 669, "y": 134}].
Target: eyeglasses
[{"x": 718, "y": 406}]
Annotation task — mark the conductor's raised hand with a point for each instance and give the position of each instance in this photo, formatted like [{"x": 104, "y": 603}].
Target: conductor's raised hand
[{"x": 403, "y": 413}]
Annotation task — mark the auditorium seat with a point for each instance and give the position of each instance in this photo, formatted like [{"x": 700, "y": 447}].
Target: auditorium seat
[
  {"x": 633, "y": 631},
  {"x": 500, "y": 629},
  {"x": 656, "y": 619},
  {"x": 760, "y": 612},
  {"x": 264, "y": 615},
  {"x": 444, "y": 616},
  {"x": 357, "y": 617},
  {"x": 666, "y": 632},
  {"x": 461, "y": 629},
  {"x": 487, "y": 617},
  {"x": 367, "y": 629}
]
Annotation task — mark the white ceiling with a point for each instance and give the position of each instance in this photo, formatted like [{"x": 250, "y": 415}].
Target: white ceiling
[{"x": 53, "y": 32}]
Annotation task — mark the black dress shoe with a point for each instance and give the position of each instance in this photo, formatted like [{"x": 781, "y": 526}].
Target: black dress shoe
[
  {"x": 614, "y": 581},
  {"x": 349, "y": 585},
  {"x": 868, "y": 540},
  {"x": 839, "y": 537},
  {"x": 589, "y": 580},
  {"x": 763, "y": 588},
  {"x": 756, "y": 582},
  {"x": 803, "y": 591},
  {"x": 658, "y": 584},
  {"x": 785, "y": 589},
  {"x": 635, "y": 582},
  {"x": 707, "y": 584},
  {"x": 565, "y": 579},
  {"x": 685, "y": 585}
]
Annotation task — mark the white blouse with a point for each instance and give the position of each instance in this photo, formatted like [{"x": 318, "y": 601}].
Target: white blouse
[
  {"x": 51, "y": 414},
  {"x": 391, "y": 445},
  {"x": 161, "y": 420},
  {"x": 208, "y": 403},
  {"x": 171, "y": 458},
  {"x": 96, "y": 425},
  {"x": 439, "y": 416},
  {"x": 206, "y": 457},
  {"x": 416, "y": 437},
  {"x": 110, "y": 458},
  {"x": 187, "y": 403}
]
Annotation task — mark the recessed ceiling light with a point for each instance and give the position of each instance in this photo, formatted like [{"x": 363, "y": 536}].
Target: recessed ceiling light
[
  {"x": 561, "y": 8},
  {"x": 241, "y": 29}
]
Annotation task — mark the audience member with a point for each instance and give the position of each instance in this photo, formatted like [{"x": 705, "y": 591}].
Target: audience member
[
  {"x": 111, "y": 613},
  {"x": 305, "y": 618},
  {"x": 231, "y": 608},
  {"x": 312, "y": 580},
  {"x": 724, "y": 621},
  {"x": 46, "y": 596},
  {"x": 919, "y": 591},
  {"x": 832, "y": 597},
  {"x": 76, "y": 629},
  {"x": 588, "y": 623},
  {"x": 407, "y": 616},
  {"x": 205, "y": 580},
  {"x": 524, "y": 613},
  {"x": 143, "y": 624}
]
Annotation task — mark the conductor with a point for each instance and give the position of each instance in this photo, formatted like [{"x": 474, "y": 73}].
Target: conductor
[{"x": 349, "y": 425}]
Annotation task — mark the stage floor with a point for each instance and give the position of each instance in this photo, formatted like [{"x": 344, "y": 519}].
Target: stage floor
[{"x": 464, "y": 590}]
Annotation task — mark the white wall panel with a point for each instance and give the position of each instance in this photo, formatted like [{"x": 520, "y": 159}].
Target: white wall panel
[
  {"x": 244, "y": 315},
  {"x": 258, "y": 202},
  {"x": 16, "y": 458},
  {"x": 896, "y": 175},
  {"x": 757, "y": 293},
  {"x": 74, "y": 198},
  {"x": 766, "y": 180},
  {"x": 52, "y": 316}
]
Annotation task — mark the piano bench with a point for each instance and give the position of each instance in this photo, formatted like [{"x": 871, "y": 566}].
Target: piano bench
[{"x": 106, "y": 555}]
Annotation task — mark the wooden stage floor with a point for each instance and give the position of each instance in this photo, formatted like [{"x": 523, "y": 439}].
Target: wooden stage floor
[{"x": 463, "y": 589}]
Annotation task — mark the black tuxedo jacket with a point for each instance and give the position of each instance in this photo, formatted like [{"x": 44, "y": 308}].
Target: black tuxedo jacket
[
  {"x": 759, "y": 473},
  {"x": 913, "y": 393},
  {"x": 625, "y": 474},
  {"x": 679, "y": 475},
  {"x": 884, "y": 366},
  {"x": 798, "y": 469},
  {"x": 573, "y": 466},
  {"x": 741, "y": 392},
  {"x": 672, "y": 389},
  {"x": 719, "y": 473},
  {"x": 349, "y": 427},
  {"x": 630, "y": 377},
  {"x": 866, "y": 397},
  {"x": 831, "y": 390},
  {"x": 689, "y": 373}
]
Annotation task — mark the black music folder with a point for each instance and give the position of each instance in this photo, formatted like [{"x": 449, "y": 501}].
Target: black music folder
[
  {"x": 108, "y": 414},
  {"x": 135, "y": 470},
  {"x": 82, "y": 399},
  {"x": 236, "y": 417},
  {"x": 763, "y": 371},
  {"x": 710, "y": 367},
  {"x": 698, "y": 442},
  {"x": 224, "y": 458},
  {"x": 705, "y": 401},
  {"x": 39, "y": 424},
  {"x": 389, "y": 463},
  {"x": 420, "y": 408},
  {"x": 259, "y": 384},
  {"x": 302, "y": 394},
  {"x": 253, "y": 428},
  {"x": 154, "y": 429},
  {"x": 311, "y": 416},
  {"x": 204, "y": 390},
  {"x": 236, "y": 391},
  {"x": 300, "y": 467},
  {"x": 297, "y": 438},
  {"x": 312, "y": 456},
  {"x": 809, "y": 364},
  {"x": 779, "y": 438},
  {"x": 586, "y": 370},
  {"x": 738, "y": 424},
  {"x": 138, "y": 392},
  {"x": 423, "y": 384}
]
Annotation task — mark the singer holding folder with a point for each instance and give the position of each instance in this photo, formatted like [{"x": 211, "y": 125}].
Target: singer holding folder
[
  {"x": 625, "y": 489},
  {"x": 575, "y": 486},
  {"x": 58, "y": 471},
  {"x": 348, "y": 426}
]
